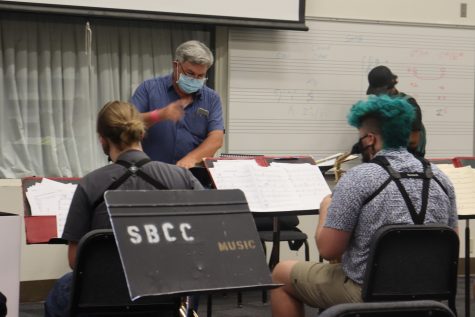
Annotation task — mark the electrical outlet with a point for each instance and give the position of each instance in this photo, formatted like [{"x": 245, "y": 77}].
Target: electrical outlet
[{"x": 463, "y": 10}]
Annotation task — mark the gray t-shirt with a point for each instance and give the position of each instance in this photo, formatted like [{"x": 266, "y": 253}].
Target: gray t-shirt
[
  {"x": 82, "y": 218},
  {"x": 347, "y": 212}
]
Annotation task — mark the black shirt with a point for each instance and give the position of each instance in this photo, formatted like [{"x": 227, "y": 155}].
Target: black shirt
[{"x": 82, "y": 218}]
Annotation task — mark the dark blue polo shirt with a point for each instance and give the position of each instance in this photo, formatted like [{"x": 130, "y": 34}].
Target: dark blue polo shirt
[{"x": 168, "y": 141}]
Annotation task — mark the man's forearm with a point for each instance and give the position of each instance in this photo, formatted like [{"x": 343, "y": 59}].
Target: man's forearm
[
  {"x": 152, "y": 117},
  {"x": 322, "y": 216},
  {"x": 208, "y": 147}
]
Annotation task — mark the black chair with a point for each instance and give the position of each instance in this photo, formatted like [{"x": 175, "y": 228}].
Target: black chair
[
  {"x": 389, "y": 309},
  {"x": 288, "y": 232},
  {"x": 293, "y": 236},
  {"x": 99, "y": 287},
  {"x": 412, "y": 262}
]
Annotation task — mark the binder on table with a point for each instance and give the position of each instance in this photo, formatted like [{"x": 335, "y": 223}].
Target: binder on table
[
  {"x": 445, "y": 160},
  {"x": 461, "y": 161},
  {"x": 41, "y": 229},
  {"x": 261, "y": 160}
]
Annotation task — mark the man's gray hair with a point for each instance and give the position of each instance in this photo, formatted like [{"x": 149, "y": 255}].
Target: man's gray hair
[{"x": 194, "y": 52}]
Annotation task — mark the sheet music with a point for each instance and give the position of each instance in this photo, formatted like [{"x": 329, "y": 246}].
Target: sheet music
[
  {"x": 463, "y": 179},
  {"x": 278, "y": 187},
  {"x": 236, "y": 174},
  {"x": 308, "y": 182},
  {"x": 275, "y": 193},
  {"x": 51, "y": 198}
]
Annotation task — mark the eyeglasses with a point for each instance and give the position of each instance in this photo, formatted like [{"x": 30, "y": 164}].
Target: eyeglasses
[{"x": 191, "y": 74}]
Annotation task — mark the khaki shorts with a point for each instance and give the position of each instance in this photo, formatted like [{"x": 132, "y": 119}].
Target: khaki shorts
[{"x": 323, "y": 285}]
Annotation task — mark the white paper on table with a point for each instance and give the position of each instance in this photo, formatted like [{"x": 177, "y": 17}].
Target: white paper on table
[
  {"x": 51, "y": 198},
  {"x": 463, "y": 179}
]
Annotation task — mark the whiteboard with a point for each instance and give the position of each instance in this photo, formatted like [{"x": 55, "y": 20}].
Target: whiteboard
[
  {"x": 285, "y": 14},
  {"x": 290, "y": 91},
  {"x": 281, "y": 10}
]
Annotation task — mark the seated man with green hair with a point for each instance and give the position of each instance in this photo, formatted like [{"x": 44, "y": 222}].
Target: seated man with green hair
[{"x": 361, "y": 203}]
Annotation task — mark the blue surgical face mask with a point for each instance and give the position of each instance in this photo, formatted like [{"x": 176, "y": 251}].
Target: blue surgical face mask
[{"x": 189, "y": 84}]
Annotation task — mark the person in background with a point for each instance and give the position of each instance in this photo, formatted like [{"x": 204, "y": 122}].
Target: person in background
[
  {"x": 361, "y": 203},
  {"x": 383, "y": 81},
  {"x": 3, "y": 305},
  {"x": 184, "y": 116},
  {"x": 121, "y": 129}
]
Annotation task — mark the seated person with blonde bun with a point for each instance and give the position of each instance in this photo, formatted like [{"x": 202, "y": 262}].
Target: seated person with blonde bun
[{"x": 121, "y": 130}]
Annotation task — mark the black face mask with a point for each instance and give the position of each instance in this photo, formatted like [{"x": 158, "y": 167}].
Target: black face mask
[{"x": 365, "y": 156}]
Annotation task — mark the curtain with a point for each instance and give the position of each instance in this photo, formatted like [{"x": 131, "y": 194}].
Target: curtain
[{"x": 55, "y": 76}]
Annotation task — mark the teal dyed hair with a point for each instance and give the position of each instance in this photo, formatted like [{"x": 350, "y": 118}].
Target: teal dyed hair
[{"x": 395, "y": 117}]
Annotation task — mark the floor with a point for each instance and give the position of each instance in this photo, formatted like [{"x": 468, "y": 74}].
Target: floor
[{"x": 226, "y": 306}]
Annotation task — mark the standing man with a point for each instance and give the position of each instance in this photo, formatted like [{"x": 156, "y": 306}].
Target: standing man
[
  {"x": 383, "y": 81},
  {"x": 184, "y": 117},
  {"x": 362, "y": 202}
]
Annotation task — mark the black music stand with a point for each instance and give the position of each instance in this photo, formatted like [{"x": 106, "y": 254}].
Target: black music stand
[
  {"x": 184, "y": 242},
  {"x": 202, "y": 174}
]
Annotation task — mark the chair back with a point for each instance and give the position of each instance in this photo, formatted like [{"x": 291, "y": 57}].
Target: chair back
[
  {"x": 389, "y": 309},
  {"x": 99, "y": 286},
  {"x": 412, "y": 262}
]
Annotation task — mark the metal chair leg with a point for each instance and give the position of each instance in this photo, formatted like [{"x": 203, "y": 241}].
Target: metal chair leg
[
  {"x": 307, "y": 251},
  {"x": 209, "y": 305}
]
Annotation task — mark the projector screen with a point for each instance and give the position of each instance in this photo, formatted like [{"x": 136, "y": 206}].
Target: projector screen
[{"x": 283, "y": 14}]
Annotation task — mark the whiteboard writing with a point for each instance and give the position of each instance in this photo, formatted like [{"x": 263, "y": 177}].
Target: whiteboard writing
[{"x": 290, "y": 92}]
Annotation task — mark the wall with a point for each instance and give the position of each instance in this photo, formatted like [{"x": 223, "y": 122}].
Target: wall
[
  {"x": 38, "y": 261},
  {"x": 416, "y": 11}
]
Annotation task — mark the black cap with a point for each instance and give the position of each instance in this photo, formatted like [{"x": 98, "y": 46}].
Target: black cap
[{"x": 380, "y": 79}]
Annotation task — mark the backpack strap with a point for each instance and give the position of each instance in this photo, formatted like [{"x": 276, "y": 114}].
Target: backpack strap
[
  {"x": 426, "y": 175},
  {"x": 426, "y": 165},
  {"x": 383, "y": 162},
  {"x": 132, "y": 169}
]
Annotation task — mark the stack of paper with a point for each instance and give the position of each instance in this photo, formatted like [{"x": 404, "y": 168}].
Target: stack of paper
[
  {"x": 463, "y": 179},
  {"x": 51, "y": 198},
  {"x": 278, "y": 187}
]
